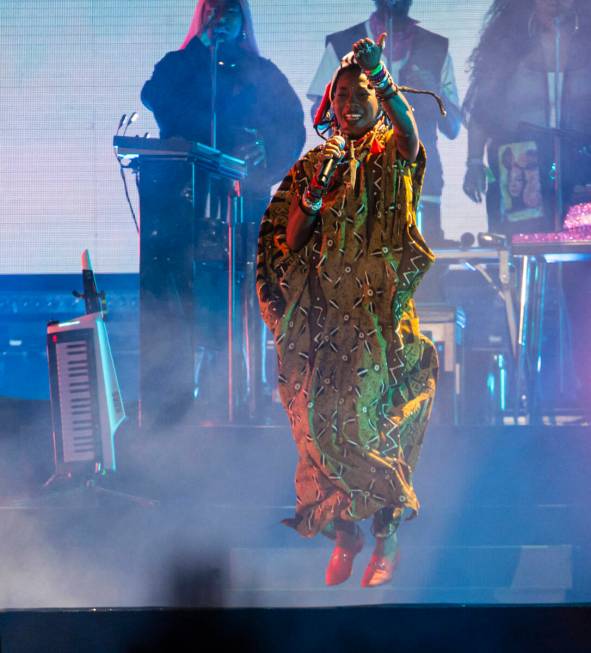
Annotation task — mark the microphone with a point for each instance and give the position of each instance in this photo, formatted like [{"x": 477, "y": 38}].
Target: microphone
[
  {"x": 328, "y": 167},
  {"x": 467, "y": 240},
  {"x": 489, "y": 239},
  {"x": 121, "y": 121},
  {"x": 132, "y": 118}
]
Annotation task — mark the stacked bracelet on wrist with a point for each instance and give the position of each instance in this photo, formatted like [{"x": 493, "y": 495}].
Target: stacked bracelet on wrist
[
  {"x": 382, "y": 82},
  {"x": 310, "y": 202}
]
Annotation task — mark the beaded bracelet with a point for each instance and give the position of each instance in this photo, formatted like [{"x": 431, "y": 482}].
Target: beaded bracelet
[
  {"x": 377, "y": 73},
  {"x": 309, "y": 204},
  {"x": 388, "y": 93},
  {"x": 383, "y": 85},
  {"x": 387, "y": 90},
  {"x": 376, "y": 79},
  {"x": 382, "y": 82},
  {"x": 376, "y": 70}
]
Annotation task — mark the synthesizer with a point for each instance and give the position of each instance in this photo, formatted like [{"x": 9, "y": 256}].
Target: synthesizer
[{"x": 86, "y": 404}]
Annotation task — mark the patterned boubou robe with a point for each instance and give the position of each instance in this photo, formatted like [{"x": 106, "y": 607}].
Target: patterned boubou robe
[{"x": 356, "y": 377}]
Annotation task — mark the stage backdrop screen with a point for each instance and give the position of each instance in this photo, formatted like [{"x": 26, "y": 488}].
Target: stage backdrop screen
[{"x": 70, "y": 68}]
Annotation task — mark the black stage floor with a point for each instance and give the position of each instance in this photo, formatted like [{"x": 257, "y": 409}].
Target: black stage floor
[{"x": 404, "y": 629}]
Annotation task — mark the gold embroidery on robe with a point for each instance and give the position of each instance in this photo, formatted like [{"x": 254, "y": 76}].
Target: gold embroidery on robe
[{"x": 356, "y": 376}]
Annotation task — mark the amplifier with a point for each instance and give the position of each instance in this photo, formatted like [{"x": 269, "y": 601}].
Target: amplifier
[{"x": 444, "y": 325}]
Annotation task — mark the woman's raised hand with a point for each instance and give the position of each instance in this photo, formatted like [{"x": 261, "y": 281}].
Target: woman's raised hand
[{"x": 369, "y": 53}]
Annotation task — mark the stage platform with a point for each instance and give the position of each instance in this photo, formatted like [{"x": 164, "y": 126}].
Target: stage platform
[{"x": 503, "y": 521}]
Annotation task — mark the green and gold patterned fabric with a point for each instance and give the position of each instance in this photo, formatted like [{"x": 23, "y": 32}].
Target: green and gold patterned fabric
[{"x": 355, "y": 375}]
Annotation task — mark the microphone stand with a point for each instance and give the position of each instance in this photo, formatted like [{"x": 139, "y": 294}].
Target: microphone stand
[
  {"x": 564, "y": 337},
  {"x": 212, "y": 203},
  {"x": 558, "y": 194},
  {"x": 558, "y": 210},
  {"x": 234, "y": 218},
  {"x": 213, "y": 69}
]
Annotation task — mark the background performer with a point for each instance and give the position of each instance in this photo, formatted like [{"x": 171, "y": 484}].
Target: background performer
[
  {"x": 415, "y": 57},
  {"x": 512, "y": 92},
  {"x": 337, "y": 267},
  {"x": 259, "y": 119},
  {"x": 259, "y": 115}
]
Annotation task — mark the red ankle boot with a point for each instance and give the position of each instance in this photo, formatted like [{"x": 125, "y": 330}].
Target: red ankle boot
[
  {"x": 380, "y": 569},
  {"x": 340, "y": 564}
]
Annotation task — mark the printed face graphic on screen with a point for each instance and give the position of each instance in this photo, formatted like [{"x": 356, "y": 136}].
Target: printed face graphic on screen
[
  {"x": 222, "y": 20},
  {"x": 523, "y": 179},
  {"x": 354, "y": 103},
  {"x": 516, "y": 181}
]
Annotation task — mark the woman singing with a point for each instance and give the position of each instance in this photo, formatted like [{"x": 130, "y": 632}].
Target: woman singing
[{"x": 339, "y": 259}]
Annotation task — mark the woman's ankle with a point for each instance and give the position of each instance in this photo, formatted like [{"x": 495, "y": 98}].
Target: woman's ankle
[
  {"x": 386, "y": 546},
  {"x": 347, "y": 536}
]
